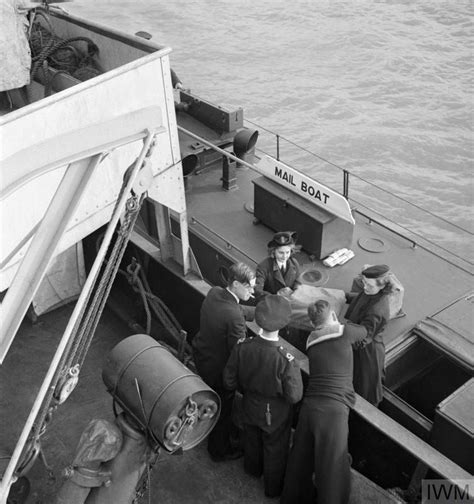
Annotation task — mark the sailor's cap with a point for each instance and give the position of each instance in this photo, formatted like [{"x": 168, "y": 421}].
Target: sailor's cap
[
  {"x": 272, "y": 312},
  {"x": 376, "y": 271}
]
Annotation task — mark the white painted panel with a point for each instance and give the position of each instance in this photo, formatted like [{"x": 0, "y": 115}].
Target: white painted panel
[
  {"x": 299, "y": 183},
  {"x": 142, "y": 84}
]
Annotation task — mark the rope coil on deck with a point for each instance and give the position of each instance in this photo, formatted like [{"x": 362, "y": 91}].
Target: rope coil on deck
[{"x": 49, "y": 50}]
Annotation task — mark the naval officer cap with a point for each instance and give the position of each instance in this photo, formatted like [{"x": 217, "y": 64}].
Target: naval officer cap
[
  {"x": 283, "y": 238},
  {"x": 376, "y": 271},
  {"x": 272, "y": 312}
]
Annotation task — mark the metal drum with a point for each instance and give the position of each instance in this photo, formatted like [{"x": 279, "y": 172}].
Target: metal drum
[{"x": 160, "y": 393}]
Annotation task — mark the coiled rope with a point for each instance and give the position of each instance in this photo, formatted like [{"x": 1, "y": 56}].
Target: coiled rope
[{"x": 49, "y": 50}]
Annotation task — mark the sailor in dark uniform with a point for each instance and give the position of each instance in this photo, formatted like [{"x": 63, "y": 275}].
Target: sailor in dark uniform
[
  {"x": 370, "y": 309},
  {"x": 270, "y": 381},
  {"x": 320, "y": 444}
]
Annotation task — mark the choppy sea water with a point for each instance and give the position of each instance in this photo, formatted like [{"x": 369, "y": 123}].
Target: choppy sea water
[{"x": 383, "y": 89}]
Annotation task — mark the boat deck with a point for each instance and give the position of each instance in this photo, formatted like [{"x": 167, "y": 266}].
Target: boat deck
[
  {"x": 430, "y": 282},
  {"x": 190, "y": 478}
]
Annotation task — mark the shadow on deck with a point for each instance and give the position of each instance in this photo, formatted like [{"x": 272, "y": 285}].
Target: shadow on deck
[{"x": 188, "y": 478}]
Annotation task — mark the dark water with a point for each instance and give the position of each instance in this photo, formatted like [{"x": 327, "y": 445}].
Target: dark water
[{"x": 383, "y": 89}]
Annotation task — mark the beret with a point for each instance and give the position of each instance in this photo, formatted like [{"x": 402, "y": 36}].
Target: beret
[
  {"x": 376, "y": 271},
  {"x": 283, "y": 238},
  {"x": 273, "y": 312}
]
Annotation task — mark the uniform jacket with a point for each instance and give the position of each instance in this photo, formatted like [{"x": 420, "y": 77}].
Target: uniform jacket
[
  {"x": 330, "y": 358},
  {"x": 269, "y": 379},
  {"x": 372, "y": 312},
  {"x": 270, "y": 279},
  {"x": 222, "y": 324}
]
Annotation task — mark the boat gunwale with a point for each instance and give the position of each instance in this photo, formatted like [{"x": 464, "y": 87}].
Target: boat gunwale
[
  {"x": 133, "y": 40},
  {"x": 157, "y": 53}
]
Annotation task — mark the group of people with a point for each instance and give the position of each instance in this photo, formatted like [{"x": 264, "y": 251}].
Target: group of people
[{"x": 342, "y": 357}]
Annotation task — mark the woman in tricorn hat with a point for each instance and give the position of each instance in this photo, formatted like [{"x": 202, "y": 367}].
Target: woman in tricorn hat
[{"x": 278, "y": 273}]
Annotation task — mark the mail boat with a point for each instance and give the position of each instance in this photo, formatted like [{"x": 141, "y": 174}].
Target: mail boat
[{"x": 132, "y": 195}]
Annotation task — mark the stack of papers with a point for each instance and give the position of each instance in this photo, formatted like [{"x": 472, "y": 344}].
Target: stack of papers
[{"x": 338, "y": 257}]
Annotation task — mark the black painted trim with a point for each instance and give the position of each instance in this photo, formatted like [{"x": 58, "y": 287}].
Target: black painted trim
[{"x": 130, "y": 40}]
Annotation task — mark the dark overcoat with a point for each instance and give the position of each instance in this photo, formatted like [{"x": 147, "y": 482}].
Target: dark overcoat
[
  {"x": 373, "y": 313},
  {"x": 270, "y": 279},
  {"x": 222, "y": 324},
  {"x": 270, "y": 381},
  {"x": 266, "y": 374}
]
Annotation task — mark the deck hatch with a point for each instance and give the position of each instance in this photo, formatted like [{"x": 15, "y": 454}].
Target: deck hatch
[{"x": 451, "y": 331}]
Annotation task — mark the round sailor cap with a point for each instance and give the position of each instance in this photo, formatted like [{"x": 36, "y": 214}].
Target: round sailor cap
[
  {"x": 375, "y": 271},
  {"x": 272, "y": 312}
]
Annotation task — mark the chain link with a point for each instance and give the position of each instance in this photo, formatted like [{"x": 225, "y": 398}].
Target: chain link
[{"x": 144, "y": 484}]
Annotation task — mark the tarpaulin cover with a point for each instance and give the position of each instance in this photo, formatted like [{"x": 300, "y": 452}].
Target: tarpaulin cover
[
  {"x": 15, "y": 62},
  {"x": 62, "y": 282}
]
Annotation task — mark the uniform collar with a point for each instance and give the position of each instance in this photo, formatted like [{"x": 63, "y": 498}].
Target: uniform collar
[
  {"x": 233, "y": 295},
  {"x": 260, "y": 333},
  {"x": 269, "y": 342},
  {"x": 326, "y": 333},
  {"x": 277, "y": 265}
]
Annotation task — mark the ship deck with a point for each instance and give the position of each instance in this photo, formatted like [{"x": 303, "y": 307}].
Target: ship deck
[
  {"x": 190, "y": 478},
  {"x": 431, "y": 283},
  {"x": 225, "y": 219}
]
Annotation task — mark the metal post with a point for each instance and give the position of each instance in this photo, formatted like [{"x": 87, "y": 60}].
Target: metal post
[
  {"x": 229, "y": 178},
  {"x": 162, "y": 216},
  {"x": 128, "y": 468},
  {"x": 278, "y": 147},
  {"x": 183, "y": 227},
  {"x": 345, "y": 190}
]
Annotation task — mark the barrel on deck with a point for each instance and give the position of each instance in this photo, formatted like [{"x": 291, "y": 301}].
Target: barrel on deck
[{"x": 160, "y": 393}]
